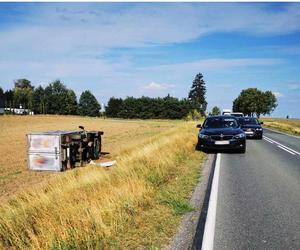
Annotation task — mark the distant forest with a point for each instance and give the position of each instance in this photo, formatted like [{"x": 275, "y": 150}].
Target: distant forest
[{"x": 56, "y": 98}]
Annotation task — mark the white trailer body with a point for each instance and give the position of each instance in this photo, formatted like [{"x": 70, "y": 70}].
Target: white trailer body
[{"x": 45, "y": 151}]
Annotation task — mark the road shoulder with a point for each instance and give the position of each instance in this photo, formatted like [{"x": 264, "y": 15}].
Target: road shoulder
[
  {"x": 280, "y": 132},
  {"x": 185, "y": 235}
]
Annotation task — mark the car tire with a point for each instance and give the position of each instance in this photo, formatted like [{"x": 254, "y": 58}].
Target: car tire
[
  {"x": 242, "y": 150},
  {"x": 198, "y": 148},
  {"x": 260, "y": 137}
]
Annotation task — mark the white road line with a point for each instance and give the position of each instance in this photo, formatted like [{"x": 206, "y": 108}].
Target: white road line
[
  {"x": 209, "y": 229},
  {"x": 268, "y": 140},
  {"x": 286, "y": 150},
  {"x": 290, "y": 149}
]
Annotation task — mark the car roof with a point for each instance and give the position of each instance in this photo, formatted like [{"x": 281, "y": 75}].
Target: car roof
[
  {"x": 222, "y": 116},
  {"x": 247, "y": 117}
]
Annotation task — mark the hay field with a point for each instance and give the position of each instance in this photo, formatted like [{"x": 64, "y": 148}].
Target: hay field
[
  {"x": 119, "y": 135},
  {"x": 290, "y": 126},
  {"x": 137, "y": 204}
]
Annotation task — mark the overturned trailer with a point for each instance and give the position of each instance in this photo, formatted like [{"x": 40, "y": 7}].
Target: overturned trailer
[{"x": 59, "y": 150}]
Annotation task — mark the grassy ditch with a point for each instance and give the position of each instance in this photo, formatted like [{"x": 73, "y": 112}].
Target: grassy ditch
[
  {"x": 290, "y": 126},
  {"x": 136, "y": 204},
  {"x": 119, "y": 135}
]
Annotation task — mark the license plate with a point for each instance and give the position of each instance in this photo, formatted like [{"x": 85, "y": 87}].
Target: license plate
[
  {"x": 222, "y": 142},
  {"x": 249, "y": 133}
]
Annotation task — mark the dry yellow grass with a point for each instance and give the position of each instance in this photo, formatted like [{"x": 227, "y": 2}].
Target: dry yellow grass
[
  {"x": 137, "y": 204},
  {"x": 290, "y": 126},
  {"x": 119, "y": 135}
]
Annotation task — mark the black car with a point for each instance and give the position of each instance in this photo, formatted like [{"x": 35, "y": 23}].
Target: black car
[
  {"x": 251, "y": 126},
  {"x": 221, "y": 132}
]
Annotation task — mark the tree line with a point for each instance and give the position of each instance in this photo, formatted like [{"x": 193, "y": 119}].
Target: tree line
[
  {"x": 161, "y": 108},
  {"x": 56, "y": 98},
  {"x": 149, "y": 108}
]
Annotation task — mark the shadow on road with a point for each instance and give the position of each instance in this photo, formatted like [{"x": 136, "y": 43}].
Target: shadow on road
[{"x": 223, "y": 151}]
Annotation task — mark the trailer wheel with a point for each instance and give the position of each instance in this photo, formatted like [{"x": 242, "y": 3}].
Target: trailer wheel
[
  {"x": 63, "y": 166},
  {"x": 97, "y": 148}
]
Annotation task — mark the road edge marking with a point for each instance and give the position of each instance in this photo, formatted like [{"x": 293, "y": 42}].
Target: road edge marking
[
  {"x": 286, "y": 150},
  {"x": 209, "y": 229},
  {"x": 268, "y": 140},
  {"x": 286, "y": 147}
]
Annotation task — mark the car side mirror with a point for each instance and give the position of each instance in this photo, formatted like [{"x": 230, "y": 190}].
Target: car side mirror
[
  {"x": 261, "y": 122},
  {"x": 199, "y": 126}
]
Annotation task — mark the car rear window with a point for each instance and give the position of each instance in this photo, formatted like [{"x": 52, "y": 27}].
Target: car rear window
[
  {"x": 250, "y": 121},
  {"x": 218, "y": 122}
]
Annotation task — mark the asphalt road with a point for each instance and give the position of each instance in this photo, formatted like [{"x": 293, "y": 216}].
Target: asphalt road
[{"x": 258, "y": 200}]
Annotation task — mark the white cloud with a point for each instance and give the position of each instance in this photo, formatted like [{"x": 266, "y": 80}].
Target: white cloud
[
  {"x": 91, "y": 29},
  {"x": 70, "y": 41},
  {"x": 153, "y": 86},
  {"x": 215, "y": 64},
  {"x": 59, "y": 40},
  {"x": 293, "y": 86},
  {"x": 278, "y": 94}
]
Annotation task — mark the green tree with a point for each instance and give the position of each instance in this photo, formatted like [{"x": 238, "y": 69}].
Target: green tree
[
  {"x": 2, "y": 99},
  {"x": 253, "y": 101},
  {"x": 23, "y": 93},
  {"x": 71, "y": 103},
  {"x": 59, "y": 99},
  {"x": 39, "y": 101},
  {"x": 215, "y": 111},
  {"x": 149, "y": 108},
  {"x": 88, "y": 104},
  {"x": 197, "y": 93},
  {"x": 129, "y": 108},
  {"x": 269, "y": 101},
  {"x": 113, "y": 107},
  {"x": 23, "y": 84},
  {"x": 9, "y": 98}
]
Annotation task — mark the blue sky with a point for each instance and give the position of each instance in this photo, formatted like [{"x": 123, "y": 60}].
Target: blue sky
[{"x": 135, "y": 49}]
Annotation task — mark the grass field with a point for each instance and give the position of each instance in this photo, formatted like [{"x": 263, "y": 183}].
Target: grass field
[
  {"x": 136, "y": 204},
  {"x": 290, "y": 126},
  {"x": 119, "y": 135}
]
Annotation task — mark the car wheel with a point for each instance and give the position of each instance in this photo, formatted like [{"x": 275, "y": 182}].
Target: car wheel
[
  {"x": 198, "y": 148},
  {"x": 242, "y": 150}
]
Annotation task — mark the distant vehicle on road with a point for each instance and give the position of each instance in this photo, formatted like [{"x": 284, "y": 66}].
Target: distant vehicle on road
[
  {"x": 251, "y": 126},
  {"x": 237, "y": 114},
  {"x": 226, "y": 111},
  {"x": 221, "y": 132}
]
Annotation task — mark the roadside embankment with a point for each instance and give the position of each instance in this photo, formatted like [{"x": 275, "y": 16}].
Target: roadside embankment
[
  {"x": 137, "y": 203},
  {"x": 290, "y": 126}
]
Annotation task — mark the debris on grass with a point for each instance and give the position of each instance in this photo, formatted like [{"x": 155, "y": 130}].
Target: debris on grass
[{"x": 103, "y": 164}]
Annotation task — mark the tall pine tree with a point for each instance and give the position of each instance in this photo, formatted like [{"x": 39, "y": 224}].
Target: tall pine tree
[{"x": 197, "y": 93}]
